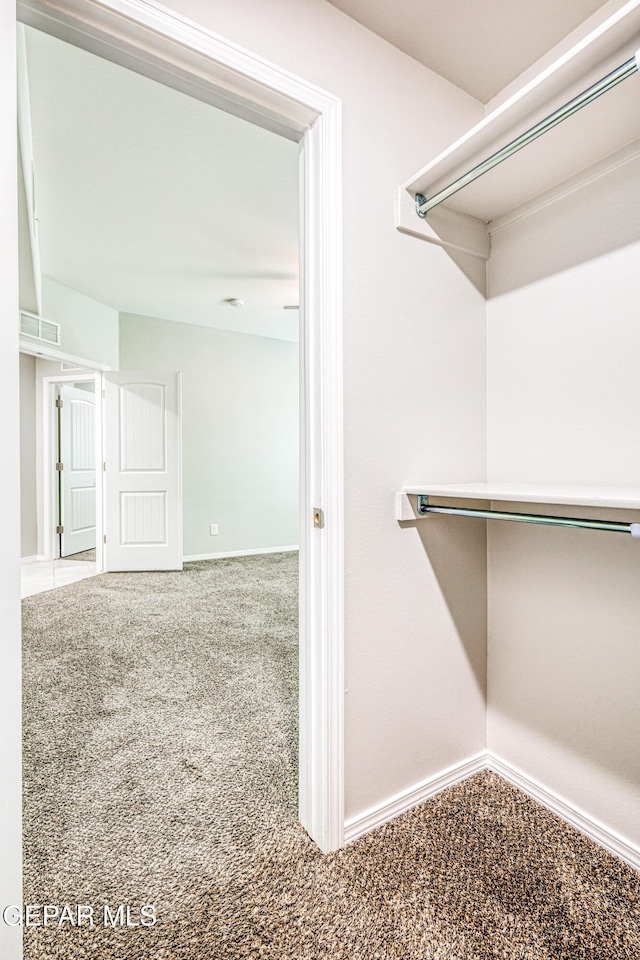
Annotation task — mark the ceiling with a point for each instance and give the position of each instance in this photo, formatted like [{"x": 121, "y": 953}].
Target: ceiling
[
  {"x": 480, "y": 45},
  {"x": 155, "y": 203}
]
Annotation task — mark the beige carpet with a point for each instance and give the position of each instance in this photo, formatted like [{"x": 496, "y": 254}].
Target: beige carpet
[{"x": 160, "y": 745}]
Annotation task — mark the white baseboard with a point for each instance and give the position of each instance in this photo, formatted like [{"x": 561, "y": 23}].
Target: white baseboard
[
  {"x": 34, "y": 559},
  {"x": 591, "y": 827},
  {"x": 240, "y": 553},
  {"x": 374, "y": 817}
]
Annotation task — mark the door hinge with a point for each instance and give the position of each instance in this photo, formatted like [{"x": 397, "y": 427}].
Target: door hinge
[
  {"x": 104, "y": 539},
  {"x": 59, "y": 403},
  {"x": 59, "y": 466},
  {"x": 59, "y": 528},
  {"x": 104, "y": 465}
]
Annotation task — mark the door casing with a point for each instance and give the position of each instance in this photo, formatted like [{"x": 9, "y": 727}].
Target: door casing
[
  {"x": 72, "y": 476},
  {"x": 49, "y": 475}
]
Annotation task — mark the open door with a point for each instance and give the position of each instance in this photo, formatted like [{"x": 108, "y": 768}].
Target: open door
[
  {"x": 142, "y": 471},
  {"x": 77, "y": 476}
]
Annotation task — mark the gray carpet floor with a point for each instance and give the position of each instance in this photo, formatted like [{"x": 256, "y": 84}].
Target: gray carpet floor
[
  {"x": 84, "y": 555},
  {"x": 160, "y": 768}
]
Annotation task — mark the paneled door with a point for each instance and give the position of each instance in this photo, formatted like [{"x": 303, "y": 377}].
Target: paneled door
[
  {"x": 78, "y": 473},
  {"x": 142, "y": 471}
]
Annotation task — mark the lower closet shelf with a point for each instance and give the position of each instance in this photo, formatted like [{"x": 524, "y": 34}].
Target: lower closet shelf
[{"x": 417, "y": 501}]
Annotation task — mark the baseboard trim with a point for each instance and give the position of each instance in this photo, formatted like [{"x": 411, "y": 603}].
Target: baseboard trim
[
  {"x": 383, "y": 812},
  {"x": 592, "y": 828},
  {"x": 374, "y": 817},
  {"x": 35, "y": 558},
  {"x": 240, "y": 553}
]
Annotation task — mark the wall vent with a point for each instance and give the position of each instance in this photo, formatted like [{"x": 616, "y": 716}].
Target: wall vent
[{"x": 37, "y": 328}]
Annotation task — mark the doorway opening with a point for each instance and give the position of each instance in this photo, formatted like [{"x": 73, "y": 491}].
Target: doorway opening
[
  {"x": 187, "y": 57},
  {"x": 75, "y": 406},
  {"x": 133, "y": 272},
  {"x": 60, "y": 508},
  {"x": 239, "y": 406}
]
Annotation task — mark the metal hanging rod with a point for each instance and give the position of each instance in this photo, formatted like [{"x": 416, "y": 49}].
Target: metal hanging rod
[
  {"x": 424, "y": 507},
  {"x": 424, "y": 204}
]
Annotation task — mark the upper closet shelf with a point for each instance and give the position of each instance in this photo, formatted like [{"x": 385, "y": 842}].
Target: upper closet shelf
[
  {"x": 578, "y": 496},
  {"x": 605, "y": 132}
]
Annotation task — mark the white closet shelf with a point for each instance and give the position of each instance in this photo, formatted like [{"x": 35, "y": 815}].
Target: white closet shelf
[
  {"x": 604, "y": 133},
  {"x": 580, "y": 496}
]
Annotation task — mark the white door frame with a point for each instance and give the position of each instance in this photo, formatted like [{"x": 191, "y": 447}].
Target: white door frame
[
  {"x": 50, "y": 476},
  {"x": 34, "y": 348},
  {"x": 150, "y": 39}
]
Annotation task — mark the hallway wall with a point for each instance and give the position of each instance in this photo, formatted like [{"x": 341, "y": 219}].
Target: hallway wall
[{"x": 89, "y": 329}]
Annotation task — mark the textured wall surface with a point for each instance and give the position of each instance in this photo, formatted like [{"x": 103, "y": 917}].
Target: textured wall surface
[{"x": 564, "y": 407}]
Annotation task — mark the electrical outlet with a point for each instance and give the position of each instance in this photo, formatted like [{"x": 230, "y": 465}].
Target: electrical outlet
[{"x": 213, "y": 529}]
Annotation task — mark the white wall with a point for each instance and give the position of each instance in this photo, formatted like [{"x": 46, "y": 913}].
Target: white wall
[
  {"x": 90, "y": 329},
  {"x": 10, "y": 721},
  {"x": 240, "y": 429},
  {"x": 564, "y": 406},
  {"x": 414, "y": 375},
  {"x": 28, "y": 481}
]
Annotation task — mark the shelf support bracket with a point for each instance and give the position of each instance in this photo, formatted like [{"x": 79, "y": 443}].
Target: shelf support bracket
[
  {"x": 420, "y": 199},
  {"x": 445, "y": 227}
]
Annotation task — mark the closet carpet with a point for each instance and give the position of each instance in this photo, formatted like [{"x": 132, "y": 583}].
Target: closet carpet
[{"x": 160, "y": 769}]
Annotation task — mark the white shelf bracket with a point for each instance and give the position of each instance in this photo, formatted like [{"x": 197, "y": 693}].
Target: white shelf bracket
[{"x": 444, "y": 227}]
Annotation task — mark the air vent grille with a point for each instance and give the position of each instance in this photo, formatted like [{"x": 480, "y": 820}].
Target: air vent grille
[{"x": 39, "y": 329}]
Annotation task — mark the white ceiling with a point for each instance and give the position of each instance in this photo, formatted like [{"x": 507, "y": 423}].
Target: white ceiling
[
  {"x": 155, "y": 203},
  {"x": 480, "y": 45}
]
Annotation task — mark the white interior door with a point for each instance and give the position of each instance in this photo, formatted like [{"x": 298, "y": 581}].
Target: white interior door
[
  {"x": 78, "y": 474},
  {"x": 143, "y": 471}
]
